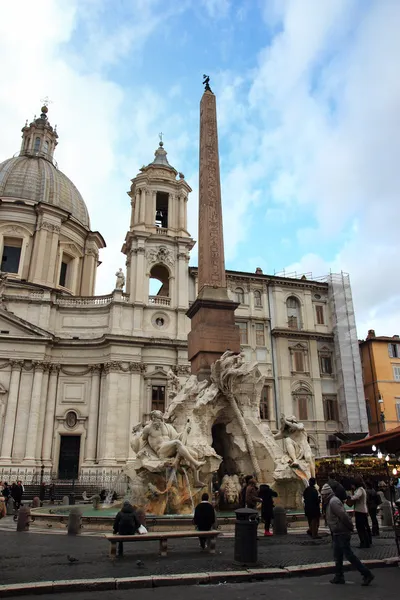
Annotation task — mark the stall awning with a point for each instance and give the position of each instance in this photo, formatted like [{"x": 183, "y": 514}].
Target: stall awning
[{"x": 388, "y": 442}]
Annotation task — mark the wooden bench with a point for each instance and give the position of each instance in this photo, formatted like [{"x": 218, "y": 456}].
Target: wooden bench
[{"x": 163, "y": 537}]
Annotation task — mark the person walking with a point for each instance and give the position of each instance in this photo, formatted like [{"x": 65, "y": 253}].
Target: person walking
[
  {"x": 359, "y": 501},
  {"x": 337, "y": 487},
  {"x": 341, "y": 528},
  {"x": 244, "y": 489},
  {"x": 267, "y": 496},
  {"x": 312, "y": 508},
  {"x": 204, "y": 517},
  {"x": 125, "y": 523},
  {"x": 6, "y": 492},
  {"x": 252, "y": 496},
  {"x": 373, "y": 502}
]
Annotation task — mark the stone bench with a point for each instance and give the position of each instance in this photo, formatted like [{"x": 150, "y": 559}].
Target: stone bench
[{"x": 163, "y": 538}]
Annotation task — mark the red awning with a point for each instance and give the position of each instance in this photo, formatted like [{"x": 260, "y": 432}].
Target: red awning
[{"x": 386, "y": 442}]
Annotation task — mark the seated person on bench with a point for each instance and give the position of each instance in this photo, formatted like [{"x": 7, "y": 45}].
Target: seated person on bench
[
  {"x": 125, "y": 523},
  {"x": 204, "y": 518}
]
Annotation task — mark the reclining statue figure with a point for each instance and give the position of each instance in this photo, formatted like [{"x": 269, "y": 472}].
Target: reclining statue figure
[{"x": 166, "y": 442}]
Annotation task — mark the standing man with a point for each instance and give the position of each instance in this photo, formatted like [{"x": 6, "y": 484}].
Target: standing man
[
  {"x": 267, "y": 496},
  {"x": 341, "y": 528},
  {"x": 204, "y": 518},
  {"x": 312, "y": 508}
]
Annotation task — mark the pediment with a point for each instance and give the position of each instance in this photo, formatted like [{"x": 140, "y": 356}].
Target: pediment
[
  {"x": 157, "y": 374},
  {"x": 11, "y": 325}
]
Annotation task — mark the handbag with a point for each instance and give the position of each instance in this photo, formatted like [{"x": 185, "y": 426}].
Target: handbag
[{"x": 142, "y": 530}]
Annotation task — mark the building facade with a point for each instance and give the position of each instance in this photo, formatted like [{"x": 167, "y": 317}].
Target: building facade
[
  {"x": 78, "y": 371},
  {"x": 380, "y": 359}
]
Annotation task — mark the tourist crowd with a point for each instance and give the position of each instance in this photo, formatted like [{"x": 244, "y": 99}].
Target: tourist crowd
[{"x": 10, "y": 493}]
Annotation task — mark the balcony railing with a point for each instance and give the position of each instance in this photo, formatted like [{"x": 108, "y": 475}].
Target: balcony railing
[
  {"x": 161, "y": 231},
  {"x": 161, "y": 300}
]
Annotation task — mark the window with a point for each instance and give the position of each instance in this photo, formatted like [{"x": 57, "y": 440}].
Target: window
[
  {"x": 394, "y": 350},
  {"x": 260, "y": 336},
  {"x": 325, "y": 364},
  {"x": 37, "y": 144},
  {"x": 257, "y": 298},
  {"x": 320, "y": 314},
  {"x": 158, "y": 397},
  {"x": 46, "y": 147},
  {"x": 27, "y": 143},
  {"x": 11, "y": 255},
  {"x": 293, "y": 313},
  {"x": 158, "y": 284},
  {"x": 302, "y": 407},
  {"x": 65, "y": 278},
  {"x": 243, "y": 332},
  {"x": 367, "y": 406},
  {"x": 398, "y": 410},
  {"x": 331, "y": 408},
  {"x": 264, "y": 403},
  {"x": 239, "y": 293},
  {"x": 333, "y": 445},
  {"x": 161, "y": 209},
  {"x": 63, "y": 274},
  {"x": 298, "y": 361},
  {"x": 396, "y": 372}
]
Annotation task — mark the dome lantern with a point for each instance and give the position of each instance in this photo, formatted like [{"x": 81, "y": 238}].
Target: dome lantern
[{"x": 39, "y": 138}]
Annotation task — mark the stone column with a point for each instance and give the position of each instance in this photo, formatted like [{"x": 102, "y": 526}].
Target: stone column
[
  {"x": 136, "y": 211},
  {"x": 90, "y": 451},
  {"x": 181, "y": 219},
  {"x": 50, "y": 412},
  {"x": 140, "y": 274},
  {"x": 42, "y": 410},
  {"x": 142, "y": 206},
  {"x": 11, "y": 410},
  {"x": 30, "y": 448},
  {"x": 109, "y": 418}
]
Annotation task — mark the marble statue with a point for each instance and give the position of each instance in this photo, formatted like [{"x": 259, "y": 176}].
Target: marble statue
[
  {"x": 119, "y": 285},
  {"x": 174, "y": 385},
  {"x": 296, "y": 444},
  {"x": 165, "y": 442},
  {"x": 229, "y": 491}
]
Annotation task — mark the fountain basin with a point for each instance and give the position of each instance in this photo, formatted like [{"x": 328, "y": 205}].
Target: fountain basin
[{"x": 102, "y": 520}]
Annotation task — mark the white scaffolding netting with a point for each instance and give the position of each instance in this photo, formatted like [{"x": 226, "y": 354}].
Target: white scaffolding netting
[{"x": 353, "y": 412}]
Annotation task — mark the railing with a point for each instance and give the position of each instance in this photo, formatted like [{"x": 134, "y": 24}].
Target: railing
[
  {"x": 84, "y": 300},
  {"x": 161, "y": 231},
  {"x": 37, "y": 154},
  {"x": 116, "y": 480},
  {"x": 162, "y": 300}
]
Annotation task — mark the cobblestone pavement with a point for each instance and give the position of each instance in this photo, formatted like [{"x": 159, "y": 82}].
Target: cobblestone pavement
[
  {"x": 39, "y": 557},
  {"x": 386, "y": 585}
]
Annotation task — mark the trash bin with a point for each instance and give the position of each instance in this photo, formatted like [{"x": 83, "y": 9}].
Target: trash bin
[
  {"x": 280, "y": 521},
  {"x": 246, "y": 536},
  {"x": 74, "y": 521}
]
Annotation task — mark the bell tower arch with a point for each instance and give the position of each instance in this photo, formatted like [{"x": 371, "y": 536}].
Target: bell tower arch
[{"x": 157, "y": 248}]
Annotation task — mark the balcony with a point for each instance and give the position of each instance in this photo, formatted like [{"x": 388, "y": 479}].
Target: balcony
[
  {"x": 161, "y": 231},
  {"x": 160, "y": 300}
]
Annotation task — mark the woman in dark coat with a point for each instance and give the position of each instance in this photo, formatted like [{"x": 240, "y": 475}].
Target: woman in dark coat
[
  {"x": 125, "y": 523},
  {"x": 312, "y": 508},
  {"x": 267, "y": 508},
  {"x": 16, "y": 493}
]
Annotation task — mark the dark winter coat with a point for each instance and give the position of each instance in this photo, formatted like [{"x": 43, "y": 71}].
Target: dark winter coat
[
  {"x": 204, "y": 516},
  {"x": 311, "y": 502},
  {"x": 267, "y": 496},
  {"x": 338, "y": 489},
  {"x": 126, "y": 521},
  {"x": 16, "y": 492},
  {"x": 252, "y": 496}
]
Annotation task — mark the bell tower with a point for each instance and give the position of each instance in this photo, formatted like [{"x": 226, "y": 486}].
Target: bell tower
[{"x": 157, "y": 248}]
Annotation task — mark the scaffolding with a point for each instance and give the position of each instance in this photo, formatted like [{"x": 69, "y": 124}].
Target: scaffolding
[{"x": 352, "y": 407}]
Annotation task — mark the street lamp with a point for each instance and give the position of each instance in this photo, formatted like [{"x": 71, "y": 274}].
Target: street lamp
[{"x": 382, "y": 413}]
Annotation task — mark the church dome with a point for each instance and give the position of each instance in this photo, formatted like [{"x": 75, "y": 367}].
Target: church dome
[{"x": 36, "y": 179}]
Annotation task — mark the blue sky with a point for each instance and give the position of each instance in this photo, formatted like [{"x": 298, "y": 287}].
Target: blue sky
[{"x": 308, "y": 104}]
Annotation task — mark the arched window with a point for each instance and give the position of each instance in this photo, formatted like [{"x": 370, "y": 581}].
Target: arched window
[
  {"x": 27, "y": 143},
  {"x": 46, "y": 147},
  {"x": 37, "y": 144},
  {"x": 302, "y": 404},
  {"x": 159, "y": 285},
  {"x": 257, "y": 298},
  {"x": 293, "y": 313},
  {"x": 239, "y": 293}
]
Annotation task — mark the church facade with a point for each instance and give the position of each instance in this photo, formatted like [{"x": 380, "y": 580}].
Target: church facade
[{"x": 79, "y": 371}]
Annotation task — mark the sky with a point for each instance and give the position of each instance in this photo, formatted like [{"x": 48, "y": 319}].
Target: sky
[{"x": 308, "y": 98}]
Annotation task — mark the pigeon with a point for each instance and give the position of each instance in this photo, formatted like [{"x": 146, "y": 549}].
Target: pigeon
[
  {"x": 139, "y": 564},
  {"x": 49, "y": 525},
  {"x": 72, "y": 559}
]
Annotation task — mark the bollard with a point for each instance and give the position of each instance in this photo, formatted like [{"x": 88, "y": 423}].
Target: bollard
[
  {"x": 71, "y": 498},
  {"x": 280, "y": 521},
  {"x": 35, "y": 502},
  {"x": 65, "y": 501},
  {"x": 246, "y": 551},
  {"x": 74, "y": 521},
  {"x": 24, "y": 517},
  {"x": 10, "y": 507}
]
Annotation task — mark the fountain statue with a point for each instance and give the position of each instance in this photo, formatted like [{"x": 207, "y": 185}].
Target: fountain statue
[{"x": 215, "y": 426}]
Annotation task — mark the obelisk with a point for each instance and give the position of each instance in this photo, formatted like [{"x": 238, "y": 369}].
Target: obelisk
[{"x": 213, "y": 329}]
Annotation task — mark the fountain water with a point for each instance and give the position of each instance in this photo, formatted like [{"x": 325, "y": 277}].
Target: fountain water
[
  {"x": 109, "y": 498},
  {"x": 189, "y": 488}
]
